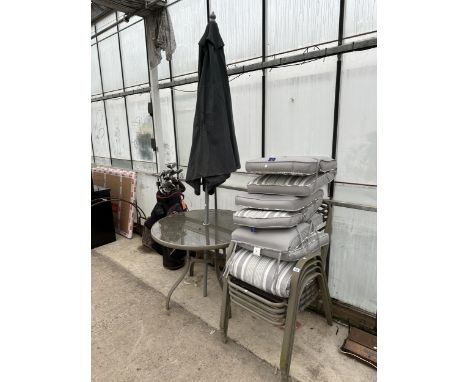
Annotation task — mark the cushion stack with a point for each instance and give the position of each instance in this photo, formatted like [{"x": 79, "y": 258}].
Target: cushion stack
[{"x": 280, "y": 222}]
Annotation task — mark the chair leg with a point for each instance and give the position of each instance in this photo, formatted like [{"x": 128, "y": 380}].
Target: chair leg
[
  {"x": 288, "y": 337},
  {"x": 326, "y": 298},
  {"x": 225, "y": 310}
]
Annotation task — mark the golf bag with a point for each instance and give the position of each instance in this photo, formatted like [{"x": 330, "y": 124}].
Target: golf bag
[{"x": 170, "y": 200}]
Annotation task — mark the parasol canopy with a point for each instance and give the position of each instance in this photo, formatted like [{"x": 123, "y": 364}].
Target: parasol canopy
[{"x": 214, "y": 154}]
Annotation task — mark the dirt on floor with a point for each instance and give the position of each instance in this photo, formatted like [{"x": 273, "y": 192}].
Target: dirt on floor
[{"x": 134, "y": 339}]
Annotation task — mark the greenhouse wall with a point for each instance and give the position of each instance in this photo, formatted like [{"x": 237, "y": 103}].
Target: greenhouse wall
[{"x": 286, "y": 110}]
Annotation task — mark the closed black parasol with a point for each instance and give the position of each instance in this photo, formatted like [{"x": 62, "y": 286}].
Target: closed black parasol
[{"x": 214, "y": 154}]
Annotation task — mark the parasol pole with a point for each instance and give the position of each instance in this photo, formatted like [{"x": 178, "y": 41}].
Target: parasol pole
[
  {"x": 207, "y": 206},
  {"x": 207, "y": 197}
]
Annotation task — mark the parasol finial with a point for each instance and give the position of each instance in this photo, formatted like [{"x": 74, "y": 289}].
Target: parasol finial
[{"x": 212, "y": 16}]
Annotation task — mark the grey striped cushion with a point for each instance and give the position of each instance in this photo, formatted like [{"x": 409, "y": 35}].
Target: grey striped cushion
[
  {"x": 278, "y": 202},
  {"x": 288, "y": 244},
  {"x": 289, "y": 184},
  {"x": 292, "y": 165},
  {"x": 251, "y": 217},
  {"x": 260, "y": 271}
]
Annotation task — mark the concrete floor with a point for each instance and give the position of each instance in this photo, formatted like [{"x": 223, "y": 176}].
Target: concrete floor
[
  {"x": 133, "y": 339},
  {"x": 131, "y": 330}
]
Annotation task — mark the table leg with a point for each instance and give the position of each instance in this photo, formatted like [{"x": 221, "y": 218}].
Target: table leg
[
  {"x": 205, "y": 276},
  {"x": 179, "y": 280},
  {"x": 216, "y": 265}
]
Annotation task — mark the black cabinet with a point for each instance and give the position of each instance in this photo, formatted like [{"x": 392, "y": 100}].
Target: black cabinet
[{"x": 102, "y": 221}]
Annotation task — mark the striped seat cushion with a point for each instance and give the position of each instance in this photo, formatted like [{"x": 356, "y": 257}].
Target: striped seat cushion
[
  {"x": 292, "y": 165},
  {"x": 279, "y": 202},
  {"x": 289, "y": 184},
  {"x": 262, "y": 272},
  {"x": 288, "y": 244},
  {"x": 251, "y": 217}
]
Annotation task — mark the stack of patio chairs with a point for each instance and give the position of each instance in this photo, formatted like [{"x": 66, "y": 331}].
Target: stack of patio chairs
[{"x": 276, "y": 261}]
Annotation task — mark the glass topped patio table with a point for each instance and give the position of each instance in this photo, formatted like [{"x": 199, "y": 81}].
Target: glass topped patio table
[{"x": 186, "y": 231}]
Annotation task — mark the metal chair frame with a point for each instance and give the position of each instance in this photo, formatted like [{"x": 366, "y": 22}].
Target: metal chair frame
[{"x": 307, "y": 273}]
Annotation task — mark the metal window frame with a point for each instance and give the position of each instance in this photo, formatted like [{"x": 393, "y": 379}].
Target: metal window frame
[
  {"x": 103, "y": 103},
  {"x": 123, "y": 94},
  {"x": 338, "y": 50},
  {"x": 149, "y": 91},
  {"x": 125, "y": 98}
]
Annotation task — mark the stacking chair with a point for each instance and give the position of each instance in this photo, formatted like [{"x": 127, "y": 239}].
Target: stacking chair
[{"x": 307, "y": 282}]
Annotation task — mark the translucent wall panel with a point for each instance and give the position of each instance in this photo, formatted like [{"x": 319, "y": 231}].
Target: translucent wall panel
[
  {"x": 99, "y": 130},
  {"x": 104, "y": 23},
  {"x": 195, "y": 202},
  {"x": 117, "y": 125},
  {"x": 299, "y": 109},
  {"x": 95, "y": 74},
  {"x": 185, "y": 102},
  {"x": 121, "y": 163},
  {"x": 149, "y": 167},
  {"x": 246, "y": 94},
  {"x": 356, "y": 194},
  {"x": 300, "y": 23},
  {"x": 240, "y": 25},
  {"x": 353, "y": 258},
  {"x": 141, "y": 127},
  {"x": 167, "y": 125},
  {"x": 133, "y": 45},
  {"x": 103, "y": 161},
  {"x": 360, "y": 16},
  {"x": 163, "y": 69},
  {"x": 357, "y": 129},
  {"x": 189, "y": 21},
  {"x": 110, "y": 64},
  {"x": 146, "y": 192},
  {"x": 227, "y": 197}
]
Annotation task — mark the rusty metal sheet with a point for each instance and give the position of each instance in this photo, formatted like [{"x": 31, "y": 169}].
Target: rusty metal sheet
[
  {"x": 362, "y": 346},
  {"x": 361, "y": 337}
]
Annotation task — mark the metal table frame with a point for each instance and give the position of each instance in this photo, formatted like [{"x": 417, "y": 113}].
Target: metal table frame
[
  {"x": 190, "y": 262},
  {"x": 188, "y": 268}
]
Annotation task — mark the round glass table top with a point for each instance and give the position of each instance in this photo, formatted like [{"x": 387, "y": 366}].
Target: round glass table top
[{"x": 186, "y": 230}]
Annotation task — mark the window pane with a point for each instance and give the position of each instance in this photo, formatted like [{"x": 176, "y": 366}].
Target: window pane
[
  {"x": 356, "y": 194},
  {"x": 141, "y": 127},
  {"x": 163, "y": 69},
  {"x": 149, "y": 167},
  {"x": 357, "y": 128},
  {"x": 292, "y": 25},
  {"x": 240, "y": 25},
  {"x": 299, "y": 109},
  {"x": 117, "y": 124},
  {"x": 95, "y": 74},
  {"x": 353, "y": 258},
  {"x": 360, "y": 16},
  {"x": 185, "y": 102},
  {"x": 167, "y": 125},
  {"x": 104, "y": 23},
  {"x": 189, "y": 21},
  {"x": 133, "y": 45},
  {"x": 110, "y": 64},
  {"x": 121, "y": 163},
  {"x": 103, "y": 161},
  {"x": 246, "y": 94},
  {"x": 99, "y": 130},
  {"x": 146, "y": 189}
]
